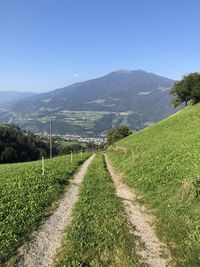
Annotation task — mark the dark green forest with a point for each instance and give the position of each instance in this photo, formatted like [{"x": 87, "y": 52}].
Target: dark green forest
[{"x": 19, "y": 146}]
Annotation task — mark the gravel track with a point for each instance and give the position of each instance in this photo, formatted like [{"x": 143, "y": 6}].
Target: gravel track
[
  {"x": 41, "y": 250},
  {"x": 142, "y": 222}
]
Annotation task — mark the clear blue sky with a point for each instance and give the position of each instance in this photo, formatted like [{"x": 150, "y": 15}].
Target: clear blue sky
[{"x": 46, "y": 44}]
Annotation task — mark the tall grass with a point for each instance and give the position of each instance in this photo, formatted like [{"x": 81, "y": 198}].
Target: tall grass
[{"x": 163, "y": 163}]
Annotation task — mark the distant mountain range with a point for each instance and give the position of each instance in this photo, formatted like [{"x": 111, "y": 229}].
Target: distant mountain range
[
  {"x": 134, "y": 97},
  {"x": 10, "y": 96}
]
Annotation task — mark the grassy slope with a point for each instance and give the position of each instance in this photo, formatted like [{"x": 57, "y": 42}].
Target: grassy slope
[
  {"x": 162, "y": 162},
  {"x": 98, "y": 234},
  {"x": 26, "y": 197}
]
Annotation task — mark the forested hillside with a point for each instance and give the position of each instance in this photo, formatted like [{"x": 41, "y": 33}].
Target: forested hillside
[{"x": 18, "y": 146}]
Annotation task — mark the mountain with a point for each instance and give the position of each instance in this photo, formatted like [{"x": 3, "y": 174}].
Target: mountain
[
  {"x": 92, "y": 107},
  {"x": 10, "y": 96}
]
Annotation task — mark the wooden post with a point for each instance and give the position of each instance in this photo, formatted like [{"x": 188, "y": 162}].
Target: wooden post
[
  {"x": 50, "y": 138},
  {"x": 43, "y": 168},
  {"x": 133, "y": 156},
  {"x": 71, "y": 156}
]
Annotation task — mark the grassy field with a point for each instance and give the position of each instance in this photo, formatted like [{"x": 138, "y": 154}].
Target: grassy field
[
  {"x": 26, "y": 197},
  {"x": 65, "y": 143},
  {"x": 98, "y": 234},
  {"x": 163, "y": 163}
]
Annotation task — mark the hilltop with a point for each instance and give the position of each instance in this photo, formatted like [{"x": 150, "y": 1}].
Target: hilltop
[
  {"x": 162, "y": 163},
  {"x": 90, "y": 108}
]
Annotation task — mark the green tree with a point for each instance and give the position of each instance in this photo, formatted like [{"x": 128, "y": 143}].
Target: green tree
[
  {"x": 71, "y": 147},
  {"x": 8, "y": 155},
  {"x": 117, "y": 134},
  {"x": 187, "y": 89},
  {"x": 17, "y": 145},
  {"x": 196, "y": 92}
]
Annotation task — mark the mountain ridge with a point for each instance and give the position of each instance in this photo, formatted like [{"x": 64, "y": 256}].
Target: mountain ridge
[
  {"x": 134, "y": 97},
  {"x": 129, "y": 80},
  {"x": 7, "y": 96}
]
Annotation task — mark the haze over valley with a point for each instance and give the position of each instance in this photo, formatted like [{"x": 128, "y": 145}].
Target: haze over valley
[{"x": 133, "y": 97}]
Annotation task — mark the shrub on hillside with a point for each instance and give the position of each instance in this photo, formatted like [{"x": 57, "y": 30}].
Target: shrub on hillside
[{"x": 117, "y": 134}]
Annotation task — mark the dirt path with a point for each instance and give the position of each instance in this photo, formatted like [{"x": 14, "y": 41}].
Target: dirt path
[
  {"x": 42, "y": 248},
  {"x": 141, "y": 221}
]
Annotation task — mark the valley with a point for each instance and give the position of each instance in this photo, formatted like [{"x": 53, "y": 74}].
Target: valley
[
  {"x": 136, "y": 98},
  {"x": 99, "y": 133},
  {"x": 158, "y": 169},
  {"x": 67, "y": 122}
]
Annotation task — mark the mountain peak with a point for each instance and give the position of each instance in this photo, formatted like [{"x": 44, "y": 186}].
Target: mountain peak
[
  {"x": 94, "y": 106},
  {"x": 123, "y": 71},
  {"x": 127, "y": 71}
]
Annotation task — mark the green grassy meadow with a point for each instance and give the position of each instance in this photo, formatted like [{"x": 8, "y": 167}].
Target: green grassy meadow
[
  {"x": 162, "y": 163},
  {"x": 98, "y": 234},
  {"x": 65, "y": 143},
  {"x": 26, "y": 197}
]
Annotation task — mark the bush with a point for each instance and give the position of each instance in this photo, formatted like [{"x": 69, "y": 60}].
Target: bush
[{"x": 117, "y": 134}]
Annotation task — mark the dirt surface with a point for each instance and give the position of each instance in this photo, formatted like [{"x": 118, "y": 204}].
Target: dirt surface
[
  {"x": 142, "y": 222},
  {"x": 42, "y": 248}
]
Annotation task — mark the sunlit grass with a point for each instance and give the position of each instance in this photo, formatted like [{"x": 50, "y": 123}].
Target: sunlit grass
[
  {"x": 163, "y": 163},
  {"x": 26, "y": 197},
  {"x": 98, "y": 234}
]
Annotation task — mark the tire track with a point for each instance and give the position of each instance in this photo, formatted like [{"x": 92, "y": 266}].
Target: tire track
[
  {"x": 42, "y": 248},
  {"x": 141, "y": 221}
]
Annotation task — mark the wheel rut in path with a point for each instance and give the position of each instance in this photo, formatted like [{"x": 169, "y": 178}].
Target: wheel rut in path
[
  {"x": 142, "y": 222},
  {"x": 41, "y": 250}
]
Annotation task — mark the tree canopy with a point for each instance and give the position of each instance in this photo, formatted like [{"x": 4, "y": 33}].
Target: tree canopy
[
  {"x": 117, "y": 134},
  {"x": 187, "y": 89},
  {"x": 18, "y": 146}
]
